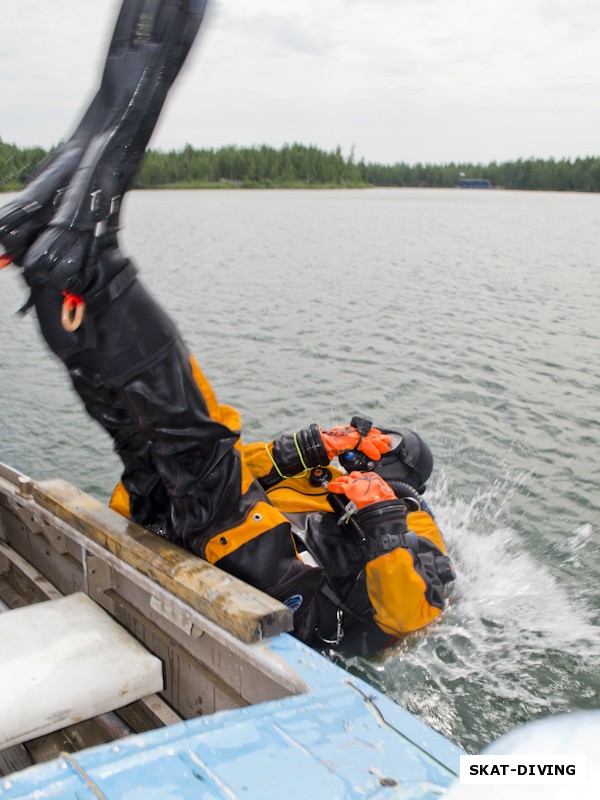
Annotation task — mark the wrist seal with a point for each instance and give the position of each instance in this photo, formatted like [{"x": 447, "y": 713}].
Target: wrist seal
[
  {"x": 385, "y": 528},
  {"x": 295, "y": 455},
  {"x": 311, "y": 447}
]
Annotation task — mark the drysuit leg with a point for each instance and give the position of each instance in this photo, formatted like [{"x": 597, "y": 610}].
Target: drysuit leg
[
  {"x": 147, "y": 495},
  {"x": 133, "y": 374},
  {"x": 148, "y": 499},
  {"x": 79, "y": 186},
  {"x": 183, "y": 467}
]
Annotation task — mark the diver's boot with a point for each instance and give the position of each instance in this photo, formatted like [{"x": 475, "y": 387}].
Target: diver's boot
[
  {"x": 29, "y": 212},
  {"x": 135, "y": 85}
]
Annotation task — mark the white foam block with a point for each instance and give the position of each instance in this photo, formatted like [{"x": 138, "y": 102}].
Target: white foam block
[{"x": 64, "y": 661}]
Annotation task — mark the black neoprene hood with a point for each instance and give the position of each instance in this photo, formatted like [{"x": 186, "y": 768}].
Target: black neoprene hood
[{"x": 410, "y": 461}]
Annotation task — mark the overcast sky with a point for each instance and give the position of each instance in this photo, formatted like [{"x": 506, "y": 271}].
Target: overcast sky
[{"x": 397, "y": 80}]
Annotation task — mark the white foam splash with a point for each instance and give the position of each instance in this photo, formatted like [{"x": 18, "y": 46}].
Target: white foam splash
[
  {"x": 501, "y": 582},
  {"x": 504, "y": 650}
]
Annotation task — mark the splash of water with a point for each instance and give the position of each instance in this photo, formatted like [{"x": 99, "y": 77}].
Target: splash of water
[{"x": 514, "y": 643}]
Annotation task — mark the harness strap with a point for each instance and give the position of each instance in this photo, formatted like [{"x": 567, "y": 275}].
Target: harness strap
[
  {"x": 26, "y": 308},
  {"x": 342, "y": 612},
  {"x": 113, "y": 288},
  {"x": 328, "y": 592},
  {"x": 390, "y": 541}
]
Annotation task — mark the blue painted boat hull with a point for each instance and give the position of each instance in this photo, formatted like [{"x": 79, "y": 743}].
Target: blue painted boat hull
[{"x": 341, "y": 739}]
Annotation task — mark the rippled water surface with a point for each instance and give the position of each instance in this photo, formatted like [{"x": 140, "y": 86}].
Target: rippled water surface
[{"x": 473, "y": 317}]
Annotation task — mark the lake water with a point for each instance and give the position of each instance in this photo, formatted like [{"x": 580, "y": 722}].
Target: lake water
[{"x": 473, "y": 317}]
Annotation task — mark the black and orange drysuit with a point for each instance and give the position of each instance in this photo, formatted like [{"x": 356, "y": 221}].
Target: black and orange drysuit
[
  {"x": 185, "y": 472},
  {"x": 362, "y": 595},
  {"x": 380, "y": 584}
]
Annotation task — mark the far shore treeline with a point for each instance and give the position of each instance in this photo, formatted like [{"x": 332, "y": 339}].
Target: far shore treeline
[{"x": 298, "y": 165}]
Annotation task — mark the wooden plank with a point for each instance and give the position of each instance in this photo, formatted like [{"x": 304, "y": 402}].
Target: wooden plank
[
  {"x": 190, "y": 686},
  {"x": 42, "y": 588},
  {"x": 13, "y": 759},
  {"x": 247, "y": 613},
  {"x": 149, "y": 713},
  {"x": 234, "y": 661},
  {"x": 9, "y": 473}
]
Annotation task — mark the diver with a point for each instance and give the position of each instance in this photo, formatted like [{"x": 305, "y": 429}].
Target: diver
[
  {"x": 366, "y": 525},
  {"x": 369, "y": 532},
  {"x": 357, "y": 585}
]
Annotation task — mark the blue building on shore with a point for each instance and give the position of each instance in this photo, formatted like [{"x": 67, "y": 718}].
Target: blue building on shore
[{"x": 474, "y": 183}]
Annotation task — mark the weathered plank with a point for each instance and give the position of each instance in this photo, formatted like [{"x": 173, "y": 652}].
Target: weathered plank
[
  {"x": 13, "y": 759},
  {"x": 240, "y": 609}
]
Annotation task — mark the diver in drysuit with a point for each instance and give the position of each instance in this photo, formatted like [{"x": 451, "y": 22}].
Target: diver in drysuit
[
  {"x": 382, "y": 553},
  {"x": 185, "y": 473}
]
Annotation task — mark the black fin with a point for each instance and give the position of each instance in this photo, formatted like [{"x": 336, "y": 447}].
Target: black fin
[
  {"x": 136, "y": 80},
  {"x": 150, "y": 36}
]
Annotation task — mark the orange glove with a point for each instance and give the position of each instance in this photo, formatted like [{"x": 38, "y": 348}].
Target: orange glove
[
  {"x": 345, "y": 437},
  {"x": 363, "y": 488},
  {"x": 5, "y": 260}
]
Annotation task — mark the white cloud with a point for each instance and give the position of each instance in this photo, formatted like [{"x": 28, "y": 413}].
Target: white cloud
[{"x": 415, "y": 80}]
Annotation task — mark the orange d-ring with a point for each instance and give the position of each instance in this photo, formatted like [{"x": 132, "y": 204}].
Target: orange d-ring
[{"x": 72, "y": 312}]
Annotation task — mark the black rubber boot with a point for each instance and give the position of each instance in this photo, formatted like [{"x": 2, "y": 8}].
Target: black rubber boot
[
  {"x": 138, "y": 75},
  {"x": 129, "y": 52},
  {"x": 29, "y": 212}
]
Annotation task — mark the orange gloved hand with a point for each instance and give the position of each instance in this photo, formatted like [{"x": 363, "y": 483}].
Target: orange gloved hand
[
  {"x": 363, "y": 488},
  {"x": 346, "y": 437}
]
